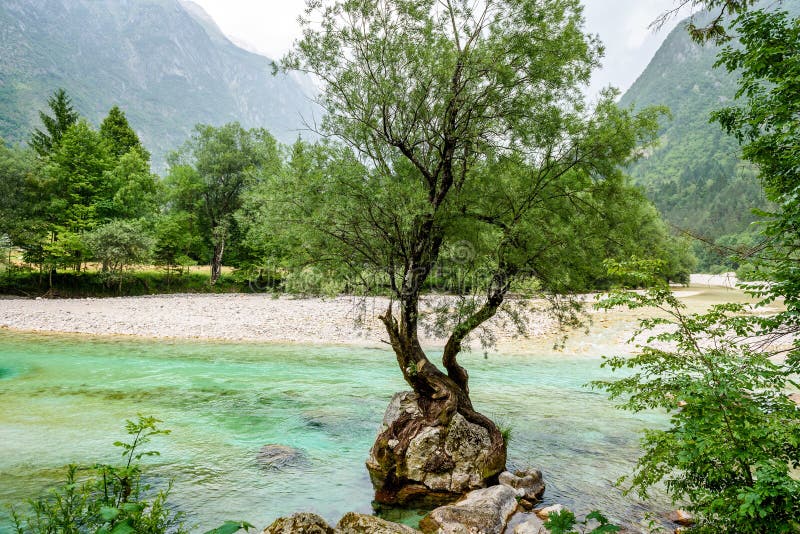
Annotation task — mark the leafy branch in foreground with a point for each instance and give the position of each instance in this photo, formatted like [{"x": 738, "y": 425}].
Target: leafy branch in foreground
[
  {"x": 564, "y": 522},
  {"x": 111, "y": 499},
  {"x": 733, "y": 437}
]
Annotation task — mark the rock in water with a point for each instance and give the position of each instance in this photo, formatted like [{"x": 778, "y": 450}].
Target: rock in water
[
  {"x": 544, "y": 513},
  {"x": 353, "y": 523},
  {"x": 274, "y": 456},
  {"x": 529, "y": 481},
  {"x": 484, "y": 510},
  {"x": 416, "y": 461},
  {"x": 532, "y": 525},
  {"x": 302, "y": 523}
]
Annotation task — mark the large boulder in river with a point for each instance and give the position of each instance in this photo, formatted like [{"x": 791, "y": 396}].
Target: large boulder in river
[
  {"x": 353, "y": 523},
  {"x": 302, "y": 523},
  {"x": 416, "y": 461},
  {"x": 484, "y": 511}
]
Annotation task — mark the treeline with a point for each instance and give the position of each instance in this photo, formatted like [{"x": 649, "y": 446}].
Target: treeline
[{"x": 81, "y": 209}]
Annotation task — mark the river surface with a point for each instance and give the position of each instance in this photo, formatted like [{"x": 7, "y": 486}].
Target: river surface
[{"x": 64, "y": 398}]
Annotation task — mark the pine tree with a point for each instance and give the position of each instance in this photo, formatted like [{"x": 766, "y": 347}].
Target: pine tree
[
  {"x": 64, "y": 116},
  {"x": 119, "y": 135}
]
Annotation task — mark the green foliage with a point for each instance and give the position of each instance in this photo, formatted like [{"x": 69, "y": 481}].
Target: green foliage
[
  {"x": 175, "y": 239},
  {"x": 766, "y": 123},
  {"x": 119, "y": 135},
  {"x": 230, "y": 527},
  {"x": 111, "y": 499},
  {"x": 64, "y": 116},
  {"x": 507, "y": 432},
  {"x": 135, "y": 189},
  {"x": 17, "y": 169},
  {"x": 80, "y": 194},
  {"x": 5, "y": 251},
  {"x": 210, "y": 173},
  {"x": 564, "y": 522},
  {"x": 764, "y": 120},
  {"x": 80, "y": 284},
  {"x": 734, "y": 436},
  {"x": 119, "y": 245}
]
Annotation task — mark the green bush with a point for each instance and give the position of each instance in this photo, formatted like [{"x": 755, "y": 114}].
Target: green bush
[
  {"x": 110, "y": 499},
  {"x": 733, "y": 439}
]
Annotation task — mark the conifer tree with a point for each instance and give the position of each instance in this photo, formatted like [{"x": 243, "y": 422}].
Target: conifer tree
[
  {"x": 119, "y": 135},
  {"x": 44, "y": 142}
]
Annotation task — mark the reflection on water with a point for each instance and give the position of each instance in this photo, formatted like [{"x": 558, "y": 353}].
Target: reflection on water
[{"x": 65, "y": 398}]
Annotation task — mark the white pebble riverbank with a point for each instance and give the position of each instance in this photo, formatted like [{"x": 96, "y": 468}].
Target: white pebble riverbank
[{"x": 230, "y": 317}]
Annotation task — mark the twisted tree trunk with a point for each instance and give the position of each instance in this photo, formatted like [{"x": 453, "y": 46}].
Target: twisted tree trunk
[{"x": 434, "y": 446}]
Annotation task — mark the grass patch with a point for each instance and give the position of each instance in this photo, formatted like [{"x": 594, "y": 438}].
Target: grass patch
[{"x": 71, "y": 284}]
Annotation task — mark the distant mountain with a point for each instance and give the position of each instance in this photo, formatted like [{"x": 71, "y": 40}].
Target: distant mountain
[
  {"x": 164, "y": 62},
  {"x": 695, "y": 177}
]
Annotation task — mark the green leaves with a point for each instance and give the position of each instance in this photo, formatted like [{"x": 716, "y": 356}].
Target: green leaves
[
  {"x": 229, "y": 527},
  {"x": 765, "y": 120},
  {"x": 732, "y": 437},
  {"x": 210, "y": 174},
  {"x": 44, "y": 142},
  {"x": 564, "y": 522},
  {"x": 108, "y": 499}
]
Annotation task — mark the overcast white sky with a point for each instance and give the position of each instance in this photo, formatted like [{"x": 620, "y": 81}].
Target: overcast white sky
[{"x": 270, "y": 27}]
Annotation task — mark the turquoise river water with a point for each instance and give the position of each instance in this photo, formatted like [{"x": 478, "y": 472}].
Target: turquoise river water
[{"x": 65, "y": 398}]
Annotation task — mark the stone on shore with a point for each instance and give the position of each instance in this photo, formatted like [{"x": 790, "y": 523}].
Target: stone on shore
[
  {"x": 302, "y": 523},
  {"x": 529, "y": 481},
  {"x": 353, "y": 523},
  {"x": 533, "y": 525},
  {"x": 545, "y": 512},
  {"x": 484, "y": 511},
  {"x": 681, "y": 517}
]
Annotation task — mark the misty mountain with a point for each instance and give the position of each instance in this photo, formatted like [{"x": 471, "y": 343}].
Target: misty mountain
[
  {"x": 695, "y": 176},
  {"x": 164, "y": 62}
]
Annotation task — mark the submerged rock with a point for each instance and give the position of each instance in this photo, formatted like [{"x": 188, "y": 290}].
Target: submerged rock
[
  {"x": 302, "y": 523},
  {"x": 485, "y": 511},
  {"x": 419, "y": 462},
  {"x": 353, "y": 523},
  {"x": 274, "y": 456}
]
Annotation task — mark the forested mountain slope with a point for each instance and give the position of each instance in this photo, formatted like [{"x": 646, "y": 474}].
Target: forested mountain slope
[
  {"x": 695, "y": 177},
  {"x": 164, "y": 62}
]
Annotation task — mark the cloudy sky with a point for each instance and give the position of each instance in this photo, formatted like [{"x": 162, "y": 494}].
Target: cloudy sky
[{"x": 270, "y": 27}]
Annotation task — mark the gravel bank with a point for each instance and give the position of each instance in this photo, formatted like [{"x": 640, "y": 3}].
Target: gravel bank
[{"x": 231, "y": 317}]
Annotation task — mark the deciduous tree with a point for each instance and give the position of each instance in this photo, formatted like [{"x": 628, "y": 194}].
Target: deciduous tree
[
  {"x": 217, "y": 165},
  {"x": 468, "y": 138}
]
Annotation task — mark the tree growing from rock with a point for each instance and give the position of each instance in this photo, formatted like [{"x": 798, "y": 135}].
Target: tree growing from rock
[{"x": 466, "y": 139}]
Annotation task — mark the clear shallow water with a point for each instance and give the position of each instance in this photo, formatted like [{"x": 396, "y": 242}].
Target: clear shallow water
[{"x": 65, "y": 398}]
